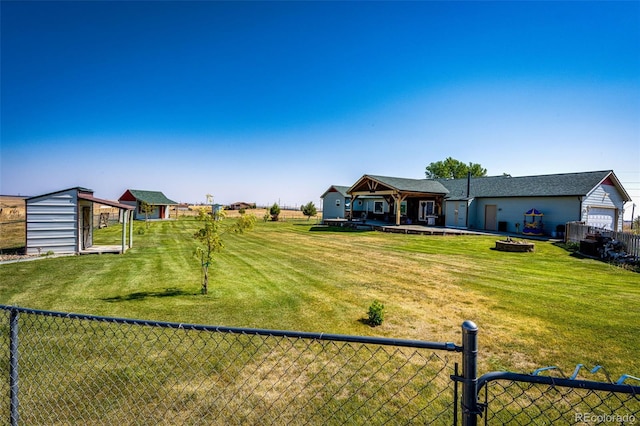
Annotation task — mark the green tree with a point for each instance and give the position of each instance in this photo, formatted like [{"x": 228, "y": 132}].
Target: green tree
[
  {"x": 309, "y": 210},
  {"x": 147, "y": 209},
  {"x": 210, "y": 236},
  {"x": 451, "y": 168},
  {"x": 275, "y": 212}
]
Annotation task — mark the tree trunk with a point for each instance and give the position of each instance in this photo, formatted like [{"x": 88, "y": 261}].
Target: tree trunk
[{"x": 205, "y": 281}]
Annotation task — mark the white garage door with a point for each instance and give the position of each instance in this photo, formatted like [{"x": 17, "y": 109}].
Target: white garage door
[{"x": 601, "y": 217}]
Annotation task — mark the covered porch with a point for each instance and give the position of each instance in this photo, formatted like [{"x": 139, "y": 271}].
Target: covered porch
[
  {"x": 86, "y": 203},
  {"x": 398, "y": 201}
]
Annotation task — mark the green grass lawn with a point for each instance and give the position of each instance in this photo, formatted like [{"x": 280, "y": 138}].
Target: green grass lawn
[{"x": 533, "y": 309}]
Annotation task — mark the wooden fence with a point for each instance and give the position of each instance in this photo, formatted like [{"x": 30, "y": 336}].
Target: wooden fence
[{"x": 578, "y": 231}]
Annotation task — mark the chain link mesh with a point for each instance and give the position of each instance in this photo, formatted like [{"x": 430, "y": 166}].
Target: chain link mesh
[
  {"x": 523, "y": 403},
  {"x": 91, "y": 372}
]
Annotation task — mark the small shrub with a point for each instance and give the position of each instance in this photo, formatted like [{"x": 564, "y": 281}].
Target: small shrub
[
  {"x": 376, "y": 313},
  {"x": 275, "y": 212}
]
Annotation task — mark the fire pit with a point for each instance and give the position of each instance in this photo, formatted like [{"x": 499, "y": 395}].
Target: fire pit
[{"x": 514, "y": 246}]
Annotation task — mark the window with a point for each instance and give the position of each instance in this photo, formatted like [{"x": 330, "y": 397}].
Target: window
[
  {"x": 430, "y": 207},
  {"x": 347, "y": 205},
  {"x": 377, "y": 207},
  {"x": 338, "y": 202},
  {"x": 403, "y": 208}
]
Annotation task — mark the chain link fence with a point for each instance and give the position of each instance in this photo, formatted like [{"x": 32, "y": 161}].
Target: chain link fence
[
  {"x": 518, "y": 399},
  {"x": 67, "y": 369},
  {"x": 72, "y": 369}
]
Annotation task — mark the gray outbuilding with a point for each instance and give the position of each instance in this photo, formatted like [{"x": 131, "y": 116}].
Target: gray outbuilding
[{"x": 61, "y": 222}]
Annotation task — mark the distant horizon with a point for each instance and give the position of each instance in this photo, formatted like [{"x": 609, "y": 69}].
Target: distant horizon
[{"x": 268, "y": 101}]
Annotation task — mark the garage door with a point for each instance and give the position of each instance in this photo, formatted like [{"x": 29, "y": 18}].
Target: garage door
[{"x": 601, "y": 217}]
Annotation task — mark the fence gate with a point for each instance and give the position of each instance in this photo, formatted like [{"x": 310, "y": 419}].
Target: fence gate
[{"x": 510, "y": 398}]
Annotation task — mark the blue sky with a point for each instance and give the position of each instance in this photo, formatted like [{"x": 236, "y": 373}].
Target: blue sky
[{"x": 276, "y": 101}]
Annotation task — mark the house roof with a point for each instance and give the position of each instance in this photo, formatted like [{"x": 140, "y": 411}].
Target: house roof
[
  {"x": 154, "y": 198},
  {"x": 565, "y": 184},
  {"x": 403, "y": 184},
  {"x": 341, "y": 189}
]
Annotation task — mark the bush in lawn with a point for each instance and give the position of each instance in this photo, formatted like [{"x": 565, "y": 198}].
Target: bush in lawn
[
  {"x": 275, "y": 212},
  {"x": 376, "y": 313}
]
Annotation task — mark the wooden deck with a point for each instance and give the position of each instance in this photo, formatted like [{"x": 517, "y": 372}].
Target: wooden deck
[
  {"x": 102, "y": 250},
  {"x": 419, "y": 229}
]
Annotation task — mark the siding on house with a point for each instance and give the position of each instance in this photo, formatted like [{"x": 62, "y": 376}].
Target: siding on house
[
  {"x": 601, "y": 207},
  {"x": 334, "y": 201},
  {"x": 596, "y": 198},
  {"x": 52, "y": 223},
  {"x": 556, "y": 210}
]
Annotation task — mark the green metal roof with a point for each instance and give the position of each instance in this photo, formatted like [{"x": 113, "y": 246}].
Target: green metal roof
[
  {"x": 154, "y": 198},
  {"x": 566, "y": 184}
]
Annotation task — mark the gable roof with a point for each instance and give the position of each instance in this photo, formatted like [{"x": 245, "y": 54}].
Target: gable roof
[
  {"x": 154, "y": 198},
  {"x": 342, "y": 190},
  {"x": 75, "y": 188},
  {"x": 565, "y": 184},
  {"x": 404, "y": 184}
]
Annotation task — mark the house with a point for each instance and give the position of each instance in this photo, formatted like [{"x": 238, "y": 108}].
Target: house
[
  {"x": 498, "y": 203},
  {"x": 158, "y": 202},
  {"x": 501, "y": 202},
  {"x": 241, "y": 205},
  {"x": 336, "y": 203},
  {"x": 61, "y": 222}
]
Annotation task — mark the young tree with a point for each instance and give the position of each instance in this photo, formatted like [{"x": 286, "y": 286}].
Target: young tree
[
  {"x": 309, "y": 210},
  {"x": 451, "y": 168},
  {"x": 210, "y": 236},
  {"x": 275, "y": 212},
  {"x": 147, "y": 209}
]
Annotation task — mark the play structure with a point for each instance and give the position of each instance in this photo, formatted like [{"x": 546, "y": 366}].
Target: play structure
[{"x": 532, "y": 224}]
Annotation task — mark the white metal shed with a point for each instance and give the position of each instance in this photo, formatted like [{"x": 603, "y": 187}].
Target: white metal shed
[{"x": 62, "y": 222}]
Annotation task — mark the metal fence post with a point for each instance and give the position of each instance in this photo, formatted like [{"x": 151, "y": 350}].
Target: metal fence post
[
  {"x": 469, "y": 373},
  {"x": 13, "y": 366}
]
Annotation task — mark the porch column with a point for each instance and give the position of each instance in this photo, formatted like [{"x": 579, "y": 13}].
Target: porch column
[
  {"x": 353, "y": 204},
  {"x": 398, "y": 199},
  {"x": 124, "y": 230},
  {"x": 130, "y": 213}
]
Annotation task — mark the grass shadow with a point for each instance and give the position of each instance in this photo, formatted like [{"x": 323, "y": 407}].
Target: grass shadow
[
  {"x": 142, "y": 295},
  {"x": 325, "y": 228}
]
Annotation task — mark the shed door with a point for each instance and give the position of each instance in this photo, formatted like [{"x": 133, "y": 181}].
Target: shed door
[
  {"x": 491, "y": 217},
  {"x": 601, "y": 217},
  {"x": 86, "y": 227}
]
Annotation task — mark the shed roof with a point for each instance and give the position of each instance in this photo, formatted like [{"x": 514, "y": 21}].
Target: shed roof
[
  {"x": 89, "y": 197},
  {"x": 565, "y": 184},
  {"x": 154, "y": 198},
  {"x": 75, "y": 188}
]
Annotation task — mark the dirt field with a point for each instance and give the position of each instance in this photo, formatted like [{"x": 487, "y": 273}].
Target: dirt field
[
  {"x": 284, "y": 214},
  {"x": 12, "y": 227}
]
